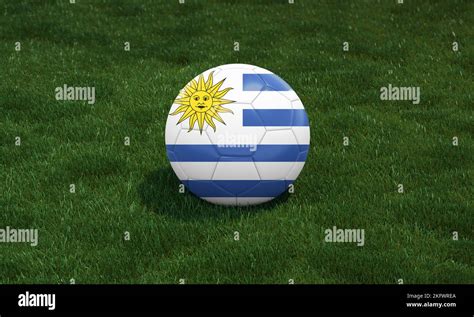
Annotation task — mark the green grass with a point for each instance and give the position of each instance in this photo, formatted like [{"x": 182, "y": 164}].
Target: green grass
[{"x": 174, "y": 236}]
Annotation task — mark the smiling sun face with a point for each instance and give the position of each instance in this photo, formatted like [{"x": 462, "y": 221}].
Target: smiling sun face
[{"x": 201, "y": 101}]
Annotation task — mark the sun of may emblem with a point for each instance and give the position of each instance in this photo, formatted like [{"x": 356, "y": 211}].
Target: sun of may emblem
[{"x": 201, "y": 101}]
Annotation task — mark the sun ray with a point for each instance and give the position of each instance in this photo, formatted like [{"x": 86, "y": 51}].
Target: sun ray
[
  {"x": 189, "y": 91},
  {"x": 222, "y": 109},
  {"x": 218, "y": 102},
  {"x": 210, "y": 122},
  {"x": 209, "y": 80},
  {"x": 200, "y": 119},
  {"x": 213, "y": 113},
  {"x": 187, "y": 114},
  {"x": 201, "y": 84},
  {"x": 180, "y": 109},
  {"x": 182, "y": 101},
  {"x": 193, "y": 84},
  {"x": 222, "y": 93},
  {"x": 213, "y": 90},
  {"x": 192, "y": 120}
]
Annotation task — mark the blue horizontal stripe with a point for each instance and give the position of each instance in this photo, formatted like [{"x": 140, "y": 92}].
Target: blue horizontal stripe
[
  {"x": 237, "y": 188},
  {"x": 264, "y": 82},
  {"x": 274, "y": 117},
  {"x": 215, "y": 153}
]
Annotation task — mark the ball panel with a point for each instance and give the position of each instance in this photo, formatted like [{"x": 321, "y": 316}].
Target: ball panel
[
  {"x": 289, "y": 94},
  {"x": 207, "y": 188},
  {"x": 236, "y": 171},
  {"x": 265, "y": 188},
  {"x": 261, "y": 70},
  {"x": 274, "y": 82},
  {"x": 233, "y": 78},
  {"x": 271, "y": 100},
  {"x": 303, "y": 153},
  {"x": 277, "y": 170},
  {"x": 195, "y": 170},
  {"x": 283, "y": 136},
  {"x": 277, "y": 128},
  {"x": 301, "y": 134},
  {"x": 225, "y": 201},
  {"x": 295, "y": 171},
  {"x": 171, "y": 131},
  {"x": 180, "y": 173},
  {"x": 297, "y": 104},
  {"x": 277, "y": 153},
  {"x": 193, "y": 137},
  {"x": 247, "y": 201}
]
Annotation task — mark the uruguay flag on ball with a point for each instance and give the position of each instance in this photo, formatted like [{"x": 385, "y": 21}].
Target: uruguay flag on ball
[{"x": 237, "y": 135}]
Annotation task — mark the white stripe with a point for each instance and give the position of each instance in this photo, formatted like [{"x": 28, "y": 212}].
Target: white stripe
[
  {"x": 228, "y": 201},
  {"x": 260, "y": 70},
  {"x": 287, "y": 135},
  {"x": 194, "y": 170},
  {"x": 238, "y": 66},
  {"x": 237, "y": 170},
  {"x": 279, "y": 170},
  {"x": 245, "y": 201}
]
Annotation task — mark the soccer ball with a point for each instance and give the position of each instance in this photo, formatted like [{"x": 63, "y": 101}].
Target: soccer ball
[{"x": 237, "y": 135}]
